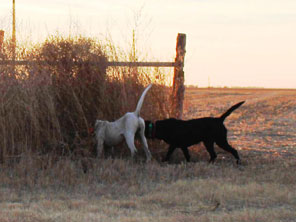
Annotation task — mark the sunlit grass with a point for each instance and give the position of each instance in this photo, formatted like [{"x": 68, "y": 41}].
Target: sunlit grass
[{"x": 48, "y": 171}]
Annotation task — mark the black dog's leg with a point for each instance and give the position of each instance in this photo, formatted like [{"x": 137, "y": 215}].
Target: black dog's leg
[
  {"x": 225, "y": 146},
  {"x": 170, "y": 152},
  {"x": 210, "y": 148},
  {"x": 186, "y": 153}
]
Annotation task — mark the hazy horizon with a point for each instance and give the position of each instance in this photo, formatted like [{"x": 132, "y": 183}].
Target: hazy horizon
[{"x": 229, "y": 42}]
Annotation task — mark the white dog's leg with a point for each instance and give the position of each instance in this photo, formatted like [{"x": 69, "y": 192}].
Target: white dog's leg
[
  {"x": 100, "y": 146},
  {"x": 130, "y": 140},
  {"x": 144, "y": 141},
  {"x": 100, "y": 142},
  {"x": 145, "y": 147}
]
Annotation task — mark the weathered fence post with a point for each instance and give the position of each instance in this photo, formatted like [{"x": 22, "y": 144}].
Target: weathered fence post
[
  {"x": 178, "y": 82},
  {"x": 1, "y": 39},
  {"x": 13, "y": 32}
]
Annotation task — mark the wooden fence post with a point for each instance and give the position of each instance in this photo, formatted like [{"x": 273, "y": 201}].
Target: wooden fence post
[
  {"x": 178, "y": 82},
  {"x": 13, "y": 40},
  {"x": 1, "y": 39}
]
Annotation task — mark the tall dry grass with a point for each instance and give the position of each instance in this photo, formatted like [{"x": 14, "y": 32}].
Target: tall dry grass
[
  {"x": 49, "y": 108},
  {"x": 54, "y": 187}
]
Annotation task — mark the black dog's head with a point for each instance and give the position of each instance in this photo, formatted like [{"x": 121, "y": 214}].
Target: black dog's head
[{"x": 149, "y": 127}]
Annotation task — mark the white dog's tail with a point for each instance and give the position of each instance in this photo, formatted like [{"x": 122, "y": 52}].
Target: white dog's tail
[{"x": 141, "y": 100}]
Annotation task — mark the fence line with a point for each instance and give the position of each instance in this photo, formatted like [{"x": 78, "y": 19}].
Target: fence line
[
  {"x": 177, "y": 96},
  {"x": 111, "y": 63}
]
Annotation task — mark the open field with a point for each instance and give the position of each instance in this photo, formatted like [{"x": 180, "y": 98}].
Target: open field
[{"x": 262, "y": 188}]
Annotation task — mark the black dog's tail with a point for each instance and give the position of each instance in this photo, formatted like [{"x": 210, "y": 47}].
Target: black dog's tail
[{"x": 230, "y": 110}]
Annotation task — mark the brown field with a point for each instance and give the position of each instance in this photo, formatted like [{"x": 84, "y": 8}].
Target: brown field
[{"x": 262, "y": 188}]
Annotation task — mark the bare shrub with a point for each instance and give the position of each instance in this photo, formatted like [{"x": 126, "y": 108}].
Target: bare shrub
[{"x": 49, "y": 106}]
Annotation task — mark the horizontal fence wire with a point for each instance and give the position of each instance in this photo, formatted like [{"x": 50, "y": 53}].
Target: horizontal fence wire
[{"x": 111, "y": 63}]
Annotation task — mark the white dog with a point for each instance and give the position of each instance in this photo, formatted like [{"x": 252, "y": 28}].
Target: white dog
[{"x": 113, "y": 133}]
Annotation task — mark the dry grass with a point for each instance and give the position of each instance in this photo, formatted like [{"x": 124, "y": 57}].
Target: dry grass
[
  {"x": 51, "y": 108},
  {"x": 119, "y": 190},
  {"x": 47, "y": 188}
]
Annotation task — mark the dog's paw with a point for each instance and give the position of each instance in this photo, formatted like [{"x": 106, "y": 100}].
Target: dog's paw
[{"x": 149, "y": 160}]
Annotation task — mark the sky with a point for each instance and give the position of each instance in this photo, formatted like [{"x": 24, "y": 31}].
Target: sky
[{"x": 230, "y": 43}]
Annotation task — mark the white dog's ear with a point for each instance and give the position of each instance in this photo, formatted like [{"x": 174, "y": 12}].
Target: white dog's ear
[{"x": 97, "y": 124}]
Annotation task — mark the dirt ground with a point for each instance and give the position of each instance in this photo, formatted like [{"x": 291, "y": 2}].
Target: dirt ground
[{"x": 265, "y": 123}]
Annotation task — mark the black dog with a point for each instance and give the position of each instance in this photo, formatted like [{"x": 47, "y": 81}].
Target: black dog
[{"x": 182, "y": 134}]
